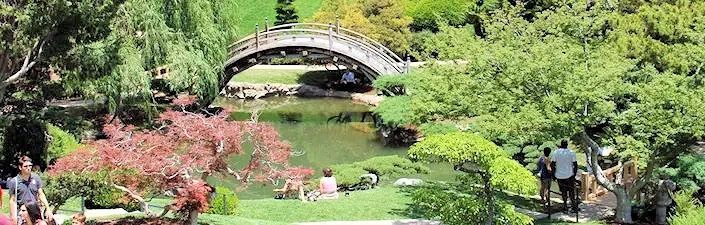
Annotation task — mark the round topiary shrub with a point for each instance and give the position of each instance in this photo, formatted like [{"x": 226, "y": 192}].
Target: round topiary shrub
[{"x": 224, "y": 202}]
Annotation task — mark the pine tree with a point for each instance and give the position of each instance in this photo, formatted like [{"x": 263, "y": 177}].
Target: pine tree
[{"x": 285, "y": 12}]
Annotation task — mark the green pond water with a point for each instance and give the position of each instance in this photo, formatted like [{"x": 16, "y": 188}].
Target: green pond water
[{"x": 318, "y": 144}]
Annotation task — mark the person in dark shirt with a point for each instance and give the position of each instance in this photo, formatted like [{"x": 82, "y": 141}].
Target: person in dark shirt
[
  {"x": 26, "y": 187},
  {"x": 544, "y": 166}
]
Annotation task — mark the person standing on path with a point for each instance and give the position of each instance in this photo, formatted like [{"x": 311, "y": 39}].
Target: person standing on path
[
  {"x": 565, "y": 166},
  {"x": 544, "y": 165},
  {"x": 26, "y": 187}
]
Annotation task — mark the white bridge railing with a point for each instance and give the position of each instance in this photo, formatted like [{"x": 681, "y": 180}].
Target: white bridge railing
[{"x": 333, "y": 33}]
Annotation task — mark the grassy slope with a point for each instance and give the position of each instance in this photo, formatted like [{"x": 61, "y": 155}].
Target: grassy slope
[
  {"x": 253, "y": 12},
  {"x": 377, "y": 204}
]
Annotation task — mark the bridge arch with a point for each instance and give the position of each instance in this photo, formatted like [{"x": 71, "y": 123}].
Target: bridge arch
[{"x": 315, "y": 41}]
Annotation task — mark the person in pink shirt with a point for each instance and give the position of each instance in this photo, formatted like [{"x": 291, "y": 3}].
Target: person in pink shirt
[{"x": 328, "y": 188}]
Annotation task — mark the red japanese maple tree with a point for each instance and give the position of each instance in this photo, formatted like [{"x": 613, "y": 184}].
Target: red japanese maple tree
[{"x": 181, "y": 153}]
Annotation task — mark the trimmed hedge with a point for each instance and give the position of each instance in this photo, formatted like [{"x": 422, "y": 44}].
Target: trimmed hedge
[
  {"x": 384, "y": 167},
  {"x": 224, "y": 202}
]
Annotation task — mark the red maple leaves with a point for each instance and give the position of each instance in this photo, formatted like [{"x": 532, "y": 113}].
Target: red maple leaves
[{"x": 186, "y": 148}]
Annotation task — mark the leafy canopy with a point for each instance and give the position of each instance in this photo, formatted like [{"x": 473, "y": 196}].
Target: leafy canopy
[
  {"x": 460, "y": 148},
  {"x": 181, "y": 153},
  {"x": 190, "y": 37}
]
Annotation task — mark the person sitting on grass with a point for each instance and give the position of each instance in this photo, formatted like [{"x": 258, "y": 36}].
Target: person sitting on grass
[
  {"x": 78, "y": 219},
  {"x": 328, "y": 188},
  {"x": 292, "y": 185}
]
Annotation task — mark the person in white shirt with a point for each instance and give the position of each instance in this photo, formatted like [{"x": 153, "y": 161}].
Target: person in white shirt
[{"x": 565, "y": 166}]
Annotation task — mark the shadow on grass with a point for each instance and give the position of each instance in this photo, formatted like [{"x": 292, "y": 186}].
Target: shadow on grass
[
  {"x": 319, "y": 78},
  {"x": 519, "y": 201},
  {"x": 411, "y": 211},
  {"x": 329, "y": 80}
]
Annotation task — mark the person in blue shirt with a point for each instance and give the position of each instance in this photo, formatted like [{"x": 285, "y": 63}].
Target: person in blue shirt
[
  {"x": 544, "y": 167},
  {"x": 348, "y": 77}
]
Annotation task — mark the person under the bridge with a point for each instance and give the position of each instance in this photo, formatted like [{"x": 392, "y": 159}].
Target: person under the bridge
[{"x": 348, "y": 77}]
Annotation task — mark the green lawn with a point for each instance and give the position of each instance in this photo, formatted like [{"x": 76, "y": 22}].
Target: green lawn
[
  {"x": 254, "y": 12},
  {"x": 284, "y": 76},
  {"x": 382, "y": 203}
]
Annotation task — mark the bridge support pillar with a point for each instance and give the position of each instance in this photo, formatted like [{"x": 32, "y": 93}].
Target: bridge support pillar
[{"x": 408, "y": 65}]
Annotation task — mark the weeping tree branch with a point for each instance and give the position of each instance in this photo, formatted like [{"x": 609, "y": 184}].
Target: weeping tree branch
[{"x": 29, "y": 61}]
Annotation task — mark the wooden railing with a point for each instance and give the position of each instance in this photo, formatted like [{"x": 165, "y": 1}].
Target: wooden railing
[{"x": 591, "y": 190}]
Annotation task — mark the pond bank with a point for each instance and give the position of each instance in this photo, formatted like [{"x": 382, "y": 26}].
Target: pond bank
[{"x": 245, "y": 90}]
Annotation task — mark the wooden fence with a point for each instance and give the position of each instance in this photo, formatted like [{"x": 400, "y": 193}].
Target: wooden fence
[{"x": 591, "y": 190}]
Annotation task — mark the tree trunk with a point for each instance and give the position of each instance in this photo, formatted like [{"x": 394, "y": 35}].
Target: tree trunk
[
  {"x": 623, "y": 212},
  {"x": 193, "y": 217},
  {"x": 490, "y": 199}
]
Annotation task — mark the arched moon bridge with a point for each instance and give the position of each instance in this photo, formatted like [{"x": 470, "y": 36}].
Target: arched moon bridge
[{"x": 314, "y": 41}]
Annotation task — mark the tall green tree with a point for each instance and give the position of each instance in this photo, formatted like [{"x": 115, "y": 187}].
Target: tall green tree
[
  {"x": 286, "y": 13},
  {"x": 473, "y": 154},
  {"x": 381, "y": 20},
  {"x": 589, "y": 70},
  {"x": 34, "y": 36},
  {"x": 190, "y": 37},
  {"x": 35, "y": 32}
]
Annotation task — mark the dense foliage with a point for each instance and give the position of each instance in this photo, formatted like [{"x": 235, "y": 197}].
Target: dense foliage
[
  {"x": 36, "y": 33},
  {"x": 611, "y": 71},
  {"x": 224, "y": 202},
  {"x": 381, "y": 20},
  {"x": 385, "y": 167},
  {"x": 190, "y": 37},
  {"x": 286, "y": 13},
  {"x": 177, "y": 156},
  {"x": 457, "y": 205},
  {"x": 91, "y": 186},
  {"x": 688, "y": 172},
  {"x": 688, "y": 211},
  {"x": 426, "y": 14},
  {"x": 473, "y": 154},
  {"x": 60, "y": 144}
]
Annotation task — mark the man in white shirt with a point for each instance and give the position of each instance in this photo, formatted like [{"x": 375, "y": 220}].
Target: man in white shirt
[{"x": 565, "y": 166}]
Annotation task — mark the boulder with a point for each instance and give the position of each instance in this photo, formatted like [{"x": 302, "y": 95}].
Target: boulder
[{"x": 408, "y": 182}]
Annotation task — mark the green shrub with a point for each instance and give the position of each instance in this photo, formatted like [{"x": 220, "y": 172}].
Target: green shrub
[
  {"x": 93, "y": 186},
  {"x": 225, "y": 202},
  {"x": 437, "y": 128},
  {"x": 61, "y": 144},
  {"x": 456, "y": 207},
  {"x": 384, "y": 166},
  {"x": 689, "y": 172},
  {"x": 427, "y": 14},
  {"x": 346, "y": 174},
  {"x": 691, "y": 217},
  {"x": 391, "y": 166},
  {"x": 394, "y": 110}
]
